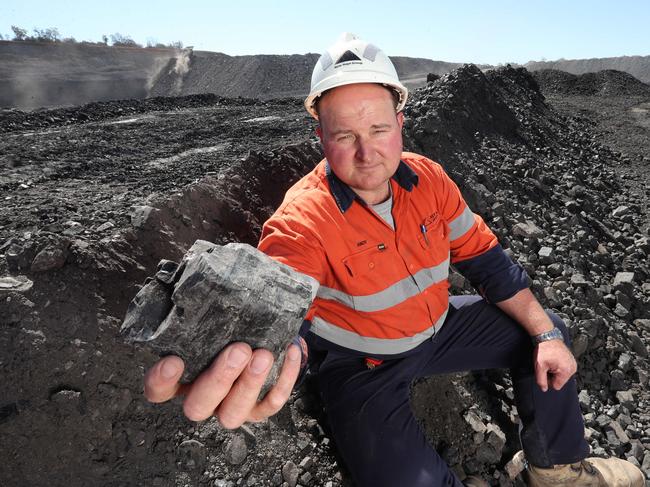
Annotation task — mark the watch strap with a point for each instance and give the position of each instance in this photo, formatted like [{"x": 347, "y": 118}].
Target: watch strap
[{"x": 553, "y": 334}]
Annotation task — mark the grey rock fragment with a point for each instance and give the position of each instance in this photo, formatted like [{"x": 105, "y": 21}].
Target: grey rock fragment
[
  {"x": 554, "y": 270},
  {"x": 475, "y": 422},
  {"x": 305, "y": 478},
  {"x": 491, "y": 450},
  {"x": 166, "y": 271},
  {"x": 625, "y": 361},
  {"x": 603, "y": 420},
  {"x": 578, "y": 280},
  {"x": 618, "y": 382},
  {"x": 637, "y": 450},
  {"x": 18, "y": 257},
  {"x": 15, "y": 283},
  {"x": 290, "y": 473},
  {"x": 622, "y": 279},
  {"x": 580, "y": 344},
  {"x": 546, "y": 255},
  {"x": 621, "y": 211},
  {"x": 618, "y": 431},
  {"x": 306, "y": 463},
  {"x": 221, "y": 294},
  {"x": 141, "y": 216},
  {"x": 50, "y": 258},
  {"x": 528, "y": 230},
  {"x": 73, "y": 228},
  {"x": 621, "y": 311},
  {"x": 496, "y": 437},
  {"x": 516, "y": 465},
  {"x": 192, "y": 455},
  {"x": 553, "y": 297},
  {"x": 457, "y": 281},
  {"x": 583, "y": 398},
  {"x": 104, "y": 226},
  {"x": 627, "y": 399},
  {"x": 645, "y": 466},
  {"x": 638, "y": 346},
  {"x": 236, "y": 449},
  {"x": 147, "y": 310},
  {"x": 643, "y": 323}
]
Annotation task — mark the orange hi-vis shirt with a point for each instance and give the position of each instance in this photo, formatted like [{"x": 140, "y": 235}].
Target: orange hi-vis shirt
[{"x": 383, "y": 291}]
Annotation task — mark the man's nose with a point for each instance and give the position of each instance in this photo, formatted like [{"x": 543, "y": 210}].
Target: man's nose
[{"x": 364, "y": 150}]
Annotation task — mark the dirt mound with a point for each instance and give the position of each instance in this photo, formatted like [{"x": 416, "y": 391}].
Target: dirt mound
[
  {"x": 456, "y": 112},
  {"x": 603, "y": 83},
  {"x": 637, "y": 66},
  {"x": 91, "y": 207}
]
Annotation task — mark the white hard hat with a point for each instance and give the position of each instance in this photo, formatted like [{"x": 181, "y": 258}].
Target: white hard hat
[{"x": 350, "y": 61}]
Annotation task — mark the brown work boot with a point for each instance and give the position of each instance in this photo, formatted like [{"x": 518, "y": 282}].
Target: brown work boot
[
  {"x": 591, "y": 472},
  {"x": 473, "y": 481}
]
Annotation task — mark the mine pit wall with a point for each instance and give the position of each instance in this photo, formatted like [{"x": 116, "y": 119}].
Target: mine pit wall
[{"x": 46, "y": 74}]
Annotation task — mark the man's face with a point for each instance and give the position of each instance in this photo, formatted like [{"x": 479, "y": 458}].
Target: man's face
[{"x": 362, "y": 137}]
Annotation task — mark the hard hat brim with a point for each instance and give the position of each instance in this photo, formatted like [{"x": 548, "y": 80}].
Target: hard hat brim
[{"x": 331, "y": 83}]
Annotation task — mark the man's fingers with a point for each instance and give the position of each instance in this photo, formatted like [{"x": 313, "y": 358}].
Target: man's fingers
[
  {"x": 238, "y": 404},
  {"x": 279, "y": 394},
  {"x": 541, "y": 376},
  {"x": 558, "y": 381},
  {"x": 564, "y": 372},
  {"x": 161, "y": 381},
  {"x": 215, "y": 383},
  {"x": 560, "y": 378}
]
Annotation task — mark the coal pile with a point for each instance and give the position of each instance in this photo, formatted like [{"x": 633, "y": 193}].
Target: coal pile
[
  {"x": 73, "y": 412},
  {"x": 637, "y": 66},
  {"x": 608, "y": 82}
]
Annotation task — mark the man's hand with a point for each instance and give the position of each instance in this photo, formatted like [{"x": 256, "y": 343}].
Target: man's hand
[
  {"x": 554, "y": 361},
  {"x": 229, "y": 388}
]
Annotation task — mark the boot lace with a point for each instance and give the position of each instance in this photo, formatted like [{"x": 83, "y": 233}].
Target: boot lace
[{"x": 585, "y": 466}]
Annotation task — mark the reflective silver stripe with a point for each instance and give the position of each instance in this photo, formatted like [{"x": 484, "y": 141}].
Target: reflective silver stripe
[
  {"x": 460, "y": 225},
  {"x": 393, "y": 295},
  {"x": 372, "y": 345}
]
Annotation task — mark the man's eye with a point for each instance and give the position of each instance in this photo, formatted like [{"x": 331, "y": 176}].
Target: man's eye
[{"x": 344, "y": 138}]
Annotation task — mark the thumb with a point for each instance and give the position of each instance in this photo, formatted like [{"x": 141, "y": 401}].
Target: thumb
[{"x": 161, "y": 381}]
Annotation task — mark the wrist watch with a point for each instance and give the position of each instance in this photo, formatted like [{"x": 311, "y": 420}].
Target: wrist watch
[{"x": 553, "y": 334}]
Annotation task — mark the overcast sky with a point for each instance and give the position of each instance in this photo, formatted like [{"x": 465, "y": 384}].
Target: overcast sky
[{"x": 459, "y": 31}]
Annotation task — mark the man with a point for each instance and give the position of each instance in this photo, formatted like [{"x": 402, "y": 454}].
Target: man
[{"x": 378, "y": 229}]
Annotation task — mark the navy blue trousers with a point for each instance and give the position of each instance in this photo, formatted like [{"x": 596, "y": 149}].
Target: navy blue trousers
[{"x": 373, "y": 424}]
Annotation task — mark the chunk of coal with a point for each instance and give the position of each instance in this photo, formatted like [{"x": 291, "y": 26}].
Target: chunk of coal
[{"x": 218, "y": 295}]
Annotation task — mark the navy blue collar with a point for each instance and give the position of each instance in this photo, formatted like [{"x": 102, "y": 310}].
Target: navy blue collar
[{"x": 344, "y": 195}]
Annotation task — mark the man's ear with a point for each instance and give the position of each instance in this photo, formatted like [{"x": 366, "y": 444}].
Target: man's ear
[{"x": 400, "y": 119}]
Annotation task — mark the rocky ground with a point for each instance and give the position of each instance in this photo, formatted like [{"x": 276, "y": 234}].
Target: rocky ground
[{"x": 94, "y": 196}]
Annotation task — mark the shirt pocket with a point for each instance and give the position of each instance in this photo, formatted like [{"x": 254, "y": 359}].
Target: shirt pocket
[
  {"x": 366, "y": 262},
  {"x": 433, "y": 235}
]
